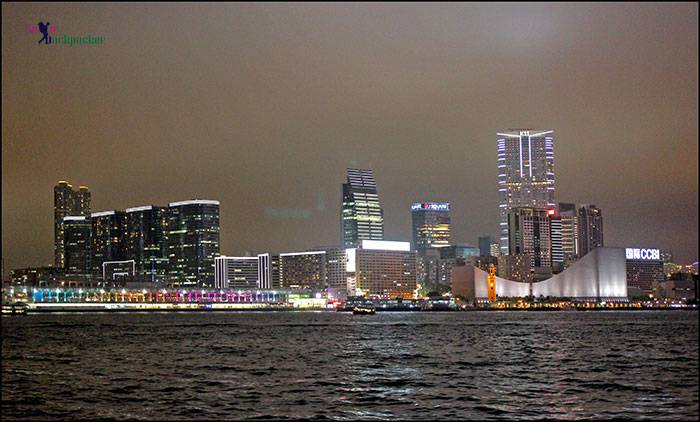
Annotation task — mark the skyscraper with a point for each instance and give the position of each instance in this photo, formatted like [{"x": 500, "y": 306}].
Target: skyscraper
[
  {"x": 556, "y": 236},
  {"x": 77, "y": 246},
  {"x": 590, "y": 229},
  {"x": 193, "y": 242},
  {"x": 569, "y": 232},
  {"x": 146, "y": 244},
  {"x": 431, "y": 225},
  {"x": 525, "y": 173},
  {"x": 529, "y": 233},
  {"x": 67, "y": 202},
  {"x": 361, "y": 214},
  {"x": 108, "y": 238}
]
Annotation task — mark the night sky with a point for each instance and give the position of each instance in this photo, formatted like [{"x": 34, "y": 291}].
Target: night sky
[{"x": 263, "y": 106}]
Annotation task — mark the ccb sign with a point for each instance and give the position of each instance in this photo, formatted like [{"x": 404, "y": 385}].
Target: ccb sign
[{"x": 643, "y": 254}]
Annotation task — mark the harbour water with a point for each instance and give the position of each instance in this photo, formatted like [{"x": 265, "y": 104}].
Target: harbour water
[{"x": 456, "y": 365}]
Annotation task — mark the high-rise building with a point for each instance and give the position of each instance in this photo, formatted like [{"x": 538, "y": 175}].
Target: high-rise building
[
  {"x": 569, "y": 231},
  {"x": 517, "y": 267},
  {"x": 236, "y": 272},
  {"x": 555, "y": 225},
  {"x": 590, "y": 229},
  {"x": 645, "y": 269},
  {"x": 268, "y": 271},
  {"x": 303, "y": 270},
  {"x": 146, "y": 244},
  {"x": 361, "y": 213},
  {"x": 529, "y": 233},
  {"x": 485, "y": 245},
  {"x": 193, "y": 242},
  {"x": 108, "y": 239},
  {"x": 67, "y": 202},
  {"x": 453, "y": 255},
  {"x": 336, "y": 276},
  {"x": 431, "y": 225},
  {"x": 77, "y": 242},
  {"x": 525, "y": 173},
  {"x": 383, "y": 269}
]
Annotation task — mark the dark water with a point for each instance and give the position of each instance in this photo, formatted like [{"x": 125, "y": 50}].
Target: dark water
[{"x": 477, "y": 365}]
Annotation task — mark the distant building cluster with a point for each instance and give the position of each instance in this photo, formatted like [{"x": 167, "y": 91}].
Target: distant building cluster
[{"x": 178, "y": 245}]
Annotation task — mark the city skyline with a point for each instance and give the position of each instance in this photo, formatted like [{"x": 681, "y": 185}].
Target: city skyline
[{"x": 607, "y": 144}]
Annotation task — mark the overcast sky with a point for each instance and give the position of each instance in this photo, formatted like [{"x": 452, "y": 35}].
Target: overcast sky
[{"x": 263, "y": 106}]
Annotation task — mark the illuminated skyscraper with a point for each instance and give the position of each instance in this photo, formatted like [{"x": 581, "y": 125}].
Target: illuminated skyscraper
[
  {"x": 67, "y": 202},
  {"x": 361, "y": 214},
  {"x": 193, "y": 242},
  {"x": 529, "y": 232},
  {"x": 525, "y": 173},
  {"x": 590, "y": 229},
  {"x": 569, "y": 232},
  {"x": 108, "y": 238},
  {"x": 431, "y": 225},
  {"x": 146, "y": 227},
  {"x": 77, "y": 246}
]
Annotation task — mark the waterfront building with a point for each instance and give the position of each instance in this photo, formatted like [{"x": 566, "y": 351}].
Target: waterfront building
[
  {"x": 557, "y": 257},
  {"x": 35, "y": 276},
  {"x": 146, "y": 228},
  {"x": 590, "y": 227},
  {"x": 193, "y": 242},
  {"x": 108, "y": 239},
  {"x": 529, "y": 233},
  {"x": 525, "y": 174},
  {"x": 268, "y": 271},
  {"x": 450, "y": 256},
  {"x": 382, "y": 269},
  {"x": 485, "y": 243},
  {"x": 236, "y": 272},
  {"x": 569, "y": 231},
  {"x": 336, "y": 276},
  {"x": 516, "y": 267},
  {"x": 431, "y": 225},
  {"x": 645, "y": 269},
  {"x": 67, "y": 202},
  {"x": 303, "y": 270},
  {"x": 427, "y": 266},
  {"x": 361, "y": 213},
  {"x": 77, "y": 241},
  {"x": 596, "y": 277}
]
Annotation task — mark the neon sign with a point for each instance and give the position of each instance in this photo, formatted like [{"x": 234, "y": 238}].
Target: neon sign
[
  {"x": 431, "y": 206},
  {"x": 643, "y": 254}
]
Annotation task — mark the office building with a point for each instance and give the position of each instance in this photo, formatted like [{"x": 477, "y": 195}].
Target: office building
[
  {"x": 431, "y": 225},
  {"x": 517, "y": 267},
  {"x": 455, "y": 255},
  {"x": 529, "y": 233},
  {"x": 108, "y": 239},
  {"x": 303, "y": 270},
  {"x": 382, "y": 269},
  {"x": 590, "y": 229},
  {"x": 336, "y": 276},
  {"x": 268, "y": 271},
  {"x": 485, "y": 243},
  {"x": 525, "y": 174},
  {"x": 569, "y": 232},
  {"x": 427, "y": 266},
  {"x": 193, "y": 242},
  {"x": 67, "y": 202},
  {"x": 645, "y": 269},
  {"x": 555, "y": 225},
  {"x": 361, "y": 213},
  {"x": 236, "y": 272},
  {"x": 146, "y": 244},
  {"x": 77, "y": 241}
]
